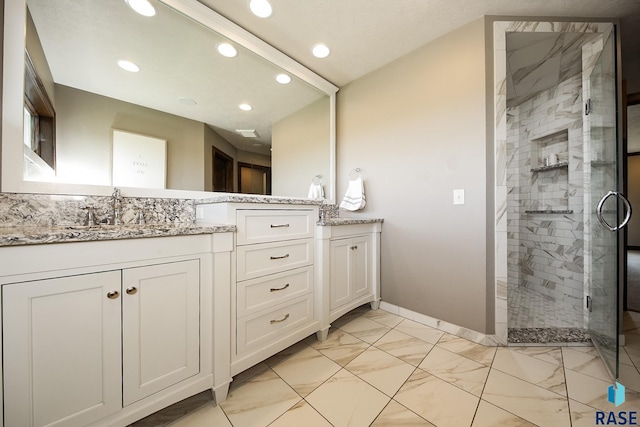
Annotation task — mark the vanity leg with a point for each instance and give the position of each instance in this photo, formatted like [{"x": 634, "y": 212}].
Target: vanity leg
[
  {"x": 322, "y": 334},
  {"x": 220, "y": 393},
  {"x": 375, "y": 304}
]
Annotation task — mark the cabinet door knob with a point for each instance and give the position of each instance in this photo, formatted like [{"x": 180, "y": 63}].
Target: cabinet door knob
[
  {"x": 132, "y": 290},
  {"x": 113, "y": 294},
  {"x": 353, "y": 248}
]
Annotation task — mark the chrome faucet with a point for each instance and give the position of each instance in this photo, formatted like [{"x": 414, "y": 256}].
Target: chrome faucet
[{"x": 116, "y": 214}]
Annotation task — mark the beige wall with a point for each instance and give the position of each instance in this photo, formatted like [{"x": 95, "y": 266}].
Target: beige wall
[
  {"x": 1, "y": 56},
  {"x": 300, "y": 145},
  {"x": 417, "y": 130},
  {"x": 84, "y": 123},
  {"x": 253, "y": 158}
]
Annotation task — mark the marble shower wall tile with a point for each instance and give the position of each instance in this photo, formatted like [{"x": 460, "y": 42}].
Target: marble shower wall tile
[
  {"x": 546, "y": 251},
  {"x": 513, "y": 161},
  {"x": 66, "y": 210}
]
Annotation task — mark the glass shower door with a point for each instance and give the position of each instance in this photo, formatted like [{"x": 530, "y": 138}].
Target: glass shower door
[{"x": 606, "y": 205}]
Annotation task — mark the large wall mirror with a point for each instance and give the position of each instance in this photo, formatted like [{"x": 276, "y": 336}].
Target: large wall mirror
[{"x": 184, "y": 97}]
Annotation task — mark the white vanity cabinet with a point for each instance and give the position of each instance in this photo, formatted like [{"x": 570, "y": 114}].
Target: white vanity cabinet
[
  {"x": 160, "y": 316},
  {"x": 274, "y": 292},
  {"x": 273, "y": 301},
  {"x": 350, "y": 266},
  {"x": 351, "y": 275},
  {"x": 105, "y": 333},
  {"x": 63, "y": 338},
  {"x": 62, "y": 350}
]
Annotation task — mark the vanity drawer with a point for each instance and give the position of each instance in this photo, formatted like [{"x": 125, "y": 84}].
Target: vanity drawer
[
  {"x": 259, "y": 294},
  {"x": 269, "y": 258},
  {"x": 260, "y": 226},
  {"x": 254, "y": 331}
]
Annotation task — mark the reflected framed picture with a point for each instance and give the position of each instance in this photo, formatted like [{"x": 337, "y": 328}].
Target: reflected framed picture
[{"x": 138, "y": 160}]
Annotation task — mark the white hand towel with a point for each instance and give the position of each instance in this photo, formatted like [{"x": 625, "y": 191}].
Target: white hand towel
[
  {"x": 354, "y": 198},
  {"x": 316, "y": 191}
]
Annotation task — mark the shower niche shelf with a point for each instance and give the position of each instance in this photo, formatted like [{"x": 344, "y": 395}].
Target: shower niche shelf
[
  {"x": 601, "y": 163},
  {"x": 550, "y": 211},
  {"x": 551, "y": 167}
]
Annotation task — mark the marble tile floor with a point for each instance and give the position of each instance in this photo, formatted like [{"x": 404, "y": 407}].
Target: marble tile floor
[
  {"x": 528, "y": 308},
  {"x": 379, "y": 369}
]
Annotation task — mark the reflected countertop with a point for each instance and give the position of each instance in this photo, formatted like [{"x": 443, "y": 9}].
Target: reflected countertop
[{"x": 29, "y": 235}]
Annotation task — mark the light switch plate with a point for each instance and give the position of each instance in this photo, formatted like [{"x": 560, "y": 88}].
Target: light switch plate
[{"x": 458, "y": 197}]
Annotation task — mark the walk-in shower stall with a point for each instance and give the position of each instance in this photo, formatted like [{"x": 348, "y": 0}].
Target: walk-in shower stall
[{"x": 560, "y": 161}]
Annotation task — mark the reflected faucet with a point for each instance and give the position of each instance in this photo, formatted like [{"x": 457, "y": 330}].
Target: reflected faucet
[{"x": 116, "y": 216}]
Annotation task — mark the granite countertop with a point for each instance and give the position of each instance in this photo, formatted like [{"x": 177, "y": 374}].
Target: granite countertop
[
  {"x": 244, "y": 198},
  {"x": 19, "y": 236},
  {"x": 348, "y": 221}
]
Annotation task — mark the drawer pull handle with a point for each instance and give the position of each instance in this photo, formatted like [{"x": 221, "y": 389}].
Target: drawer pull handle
[
  {"x": 279, "y": 289},
  {"x": 113, "y": 294},
  {"x": 279, "y": 257},
  {"x": 354, "y": 248},
  {"x": 279, "y": 225},
  {"x": 280, "y": 320}
]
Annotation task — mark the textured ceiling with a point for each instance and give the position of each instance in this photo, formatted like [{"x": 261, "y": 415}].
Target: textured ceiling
[{"x": 367, "y": 34}]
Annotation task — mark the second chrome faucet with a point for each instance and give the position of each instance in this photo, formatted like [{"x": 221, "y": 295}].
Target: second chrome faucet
[{"x": 116, "y": 213}]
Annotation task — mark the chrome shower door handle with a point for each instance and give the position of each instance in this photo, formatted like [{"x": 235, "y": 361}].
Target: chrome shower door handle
[{"x": 627, "y": 207}]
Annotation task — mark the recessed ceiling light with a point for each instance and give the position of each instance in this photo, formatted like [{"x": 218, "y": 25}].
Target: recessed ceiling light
[
  {"x": 320, "y": 51},
  {"x": 283, "y": 79},
  {"x": 143, "y": 7},
  {"x": 245, "y": 107},
  {"x": 227, "y": 50},
  {"x": 186, "y": 101},
  {"x": 261, "y": 8},
  {"x": 128, "y": 66}
]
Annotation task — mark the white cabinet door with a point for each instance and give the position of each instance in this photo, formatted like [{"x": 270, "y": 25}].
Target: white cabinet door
[
  {"x": 359, "y": 262},
  {"x": 161, "y": 327},
  {"x": 62, "y": 363},
  {"x": 350, "y": 270},
  {"x": 341, "y": 292}
]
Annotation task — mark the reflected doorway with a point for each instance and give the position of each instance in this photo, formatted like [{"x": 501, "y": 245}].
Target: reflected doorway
[
  {"x": 222, "y": 172},
  {"x": 254, "y": 179}
]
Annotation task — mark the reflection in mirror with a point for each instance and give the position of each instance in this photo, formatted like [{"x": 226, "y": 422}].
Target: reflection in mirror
[{"x": 185, "y": 92}]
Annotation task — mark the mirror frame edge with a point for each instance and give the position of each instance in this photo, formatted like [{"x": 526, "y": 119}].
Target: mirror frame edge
[{"x": 11, "y": 157}]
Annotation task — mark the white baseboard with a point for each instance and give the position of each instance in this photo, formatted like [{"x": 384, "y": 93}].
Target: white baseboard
[{"x": 471, "y": 335}]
